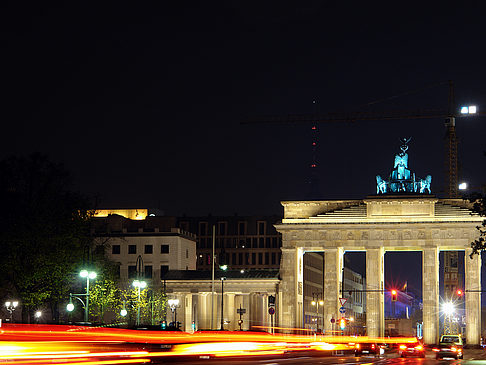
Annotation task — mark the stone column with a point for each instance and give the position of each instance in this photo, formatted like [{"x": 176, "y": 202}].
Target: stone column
[
  {"x": 230, "y": 311},
  {"x": 472, "y": 268},
  {"x": 333, "y": 266},
  {"x": 430, "y": 294},
  {"x": 291, "y": 274},
  {"x": 188, "y": 315},
  {"x": 375, "y": 298}
]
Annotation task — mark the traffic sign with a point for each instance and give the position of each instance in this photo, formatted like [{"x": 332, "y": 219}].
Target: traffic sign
[
  {"x": 241, "y": 311},
  {"x": 343, "y": 301},
  {"x": 271, "y": 310},
  {"x": 342, "y": 310}
]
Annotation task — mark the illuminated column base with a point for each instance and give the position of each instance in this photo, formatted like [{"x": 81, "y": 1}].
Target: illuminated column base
[
  {"x": 430, "y": 294},
  {"x": 375, "y": 298},
  {"x": 473, "y": 298},
  {"x": 291, "y": 288},
  {"x": 333, "y": 265}
]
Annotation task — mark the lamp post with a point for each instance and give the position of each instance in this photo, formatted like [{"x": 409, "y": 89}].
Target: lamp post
[
  {"x": 316, "y": 302},
  {"x": 222, "y": 303},
  {"x": 173, "y": 304},
  {"x": 139, "y": 284},
  {"x": 88, "y": 276},
  {"x": 11, "y": 306}
]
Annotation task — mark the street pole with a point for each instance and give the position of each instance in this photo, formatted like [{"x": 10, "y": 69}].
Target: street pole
[
  {"x": 86, "y": 307},
  {"x": 212, "y": 278},
  {"x": 138, "y": 307},
  {"x": 222, "y": 304}
]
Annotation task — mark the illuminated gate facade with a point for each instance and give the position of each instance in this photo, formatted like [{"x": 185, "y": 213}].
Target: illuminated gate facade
[{"x": 376, "y": 225}]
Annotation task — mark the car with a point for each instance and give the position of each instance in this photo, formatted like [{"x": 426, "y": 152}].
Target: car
[
  {"x": 368, "y": 348},
  {"x": 449, "y": 346},
  {"x": 411, "y": 349}
]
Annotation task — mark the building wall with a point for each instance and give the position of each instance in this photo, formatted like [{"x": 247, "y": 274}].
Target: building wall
[
  {"x": 241, "y": 242},
  {"x": 160, "y": 244},
  {"x": 313, "y": 289}
]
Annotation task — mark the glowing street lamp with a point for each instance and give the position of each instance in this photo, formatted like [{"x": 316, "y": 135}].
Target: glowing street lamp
[
  {"x": 11, "y": 306},
  {"x": 139, "y": 284},
  {"x": 173, "y": 304},
  {"x": 448, "y": 308},
  {"x": 317, "y": 303},
  {"x": 88, "y": 275}
]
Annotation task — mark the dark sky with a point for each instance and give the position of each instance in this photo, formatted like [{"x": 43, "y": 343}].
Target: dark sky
[{"x": 144, "y": 103}]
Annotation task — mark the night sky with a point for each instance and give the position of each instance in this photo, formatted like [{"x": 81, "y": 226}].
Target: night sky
[{"x": 144, "y": 103}]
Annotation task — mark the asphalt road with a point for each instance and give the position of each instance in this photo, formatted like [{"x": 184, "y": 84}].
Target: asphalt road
[{"x": 470, "y": 357}]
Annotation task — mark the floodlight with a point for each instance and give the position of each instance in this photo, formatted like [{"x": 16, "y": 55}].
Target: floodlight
[{"x": 462, "y": 186}]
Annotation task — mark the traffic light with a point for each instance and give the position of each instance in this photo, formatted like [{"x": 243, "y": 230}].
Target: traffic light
[
  {"x": 342, "y": 323},
  {"x": 271, "y": 300},
  {"x": 459, "y": 292},
  {"x": 394, "y": 295},
  {"x": 163, "y": 325}
]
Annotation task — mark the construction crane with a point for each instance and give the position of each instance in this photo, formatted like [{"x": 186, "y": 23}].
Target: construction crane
[{"x": 450, "y": 115}]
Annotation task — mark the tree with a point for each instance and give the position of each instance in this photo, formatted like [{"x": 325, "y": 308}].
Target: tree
[
  {"x": 152, "y": 305},
  {"x": 479, "y": 206},
  {"x": 44, "y": 231},
  {"x": 104, "y": 297}
]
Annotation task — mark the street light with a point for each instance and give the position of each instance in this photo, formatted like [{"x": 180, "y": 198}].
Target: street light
[
  {"x": 11, "y": 307},
  {"x": 316, "y": 302},
  {"x": 222, "y": 302},
  {"x": 173, "y": 304},
  {"x": 139, "y": 285},
  {"x": 88, "y": 276}
]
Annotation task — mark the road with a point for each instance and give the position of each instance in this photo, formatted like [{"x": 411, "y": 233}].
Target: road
[{"x": 470, "y": 357}]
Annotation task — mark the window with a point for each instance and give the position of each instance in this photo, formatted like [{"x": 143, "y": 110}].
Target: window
[
  {"x": 163, "y": 270},
  {"x": 187, "y": 253},
  {"x": 164, "y": 248},
  {"x": 241, "y": 228},
  {"x": 148, "y": 271},
  {"x": 221, "y": 228},
  {"x": 115, "y": 249},
  {"x": 240, "y": 258},
  {"x": 261, "y": 242},
  {"x": 261, "y": 228},
  {"x": 274, "y": 242},
  {"x": 247, "y": 258},
  {"x": 132, "y": 249},
  {"x": 274, "y": 258},
  {"x": 267, "y": 261},
  {"x": 253, "y": 258},
  {"x": 132, "y": 271},
  {"x": 149, "y": 249},
  {"x": 117, "y": 272},
  {"x": 233, "y": 259},
  {"x": 203, "y": 228},
  {"x": 267, "y": 242},
  {"x": 260, "y": 258},
  {"x": 202, "y": 243}
]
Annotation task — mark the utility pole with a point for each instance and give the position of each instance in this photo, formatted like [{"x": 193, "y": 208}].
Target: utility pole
[{"x": 212, "y": 278}]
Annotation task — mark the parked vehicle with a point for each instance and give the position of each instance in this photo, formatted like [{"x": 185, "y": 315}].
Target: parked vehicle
[{"x": 449, "y": 346}]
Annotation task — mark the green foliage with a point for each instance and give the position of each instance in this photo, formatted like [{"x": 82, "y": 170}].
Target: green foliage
[
  {"x": 152, "y": 305},
  {"x": 479, "y": 207},
  {"x": 104, "y": 297},
  {"x": 44, "y": 229}
]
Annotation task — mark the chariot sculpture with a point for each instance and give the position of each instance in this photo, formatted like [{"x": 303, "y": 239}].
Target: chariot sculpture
[{"x": 401, "y": 180}]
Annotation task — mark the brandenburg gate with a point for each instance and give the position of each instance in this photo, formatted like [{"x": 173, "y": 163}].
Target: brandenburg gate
[{"x": 402, "y": 216}]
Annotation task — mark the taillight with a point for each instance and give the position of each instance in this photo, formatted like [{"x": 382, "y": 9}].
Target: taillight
[
  {"x": 373, "y": 346},
  {"x": 403, "y": 347},
  {"x": 453, "y": 349},
  {"x": 435, "y": 349},
  {"x": 419, "y": 347},
  {"x": 357, "y": 346}
]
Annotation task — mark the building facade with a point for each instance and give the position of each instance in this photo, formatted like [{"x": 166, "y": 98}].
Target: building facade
[
  {"x": 241, "y": 242},
  {"x": 147, "y": 247}
]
